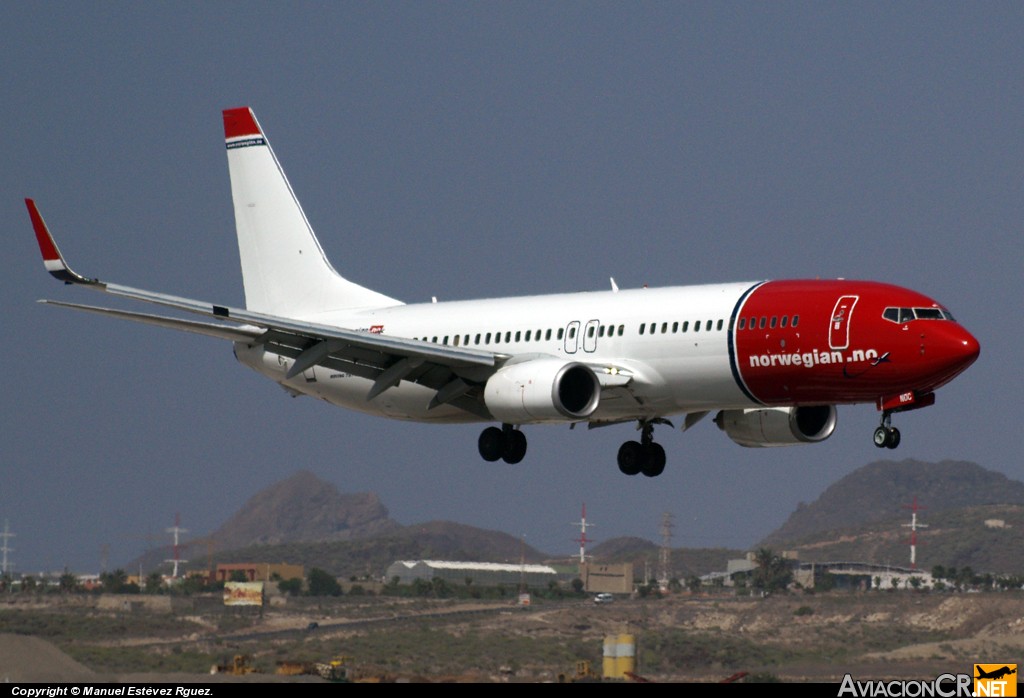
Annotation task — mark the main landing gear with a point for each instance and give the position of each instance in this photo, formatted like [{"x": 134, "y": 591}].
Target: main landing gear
[
  {"x": 886, "y": 435},
  {"x": 507, "y": 444},
  {"x": 643, "y": 456}
]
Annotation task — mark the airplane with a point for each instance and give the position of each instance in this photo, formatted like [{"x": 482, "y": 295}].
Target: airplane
[
  {"x": 772, "y": 358},
  {"x": 995, "y": 674}
]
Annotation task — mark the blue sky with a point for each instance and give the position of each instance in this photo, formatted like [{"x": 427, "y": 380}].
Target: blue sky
[{"x": 463, "y": 150}]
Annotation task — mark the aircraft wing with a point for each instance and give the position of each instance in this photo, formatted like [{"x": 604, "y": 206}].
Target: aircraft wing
[{"x": 455, "y": 373}]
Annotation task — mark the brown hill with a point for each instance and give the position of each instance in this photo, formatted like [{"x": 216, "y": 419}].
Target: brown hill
[
  {"x": 884, "y": 490},
  {"x": 306, "y": 509},
  {"x": 973, "y": 518}
]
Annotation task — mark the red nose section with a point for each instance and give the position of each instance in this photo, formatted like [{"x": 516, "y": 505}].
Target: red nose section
[
  {"x": 967, "y": 350},
  {"x": 950, "y": 349}
]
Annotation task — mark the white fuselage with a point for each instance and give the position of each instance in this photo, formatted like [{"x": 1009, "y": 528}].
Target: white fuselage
[{"x": 673, "y": 371}]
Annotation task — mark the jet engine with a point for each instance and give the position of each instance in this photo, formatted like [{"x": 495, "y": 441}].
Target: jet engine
[
  {"x": 778, "y": 426},
  {"x": 543, "y": 389}
]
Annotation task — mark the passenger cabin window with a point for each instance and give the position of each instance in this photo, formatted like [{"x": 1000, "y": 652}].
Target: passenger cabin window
[
  {"x": 743, "y": 323},
  {"x": 784, "y": 321},
  {"x": 720, "y": 325}
]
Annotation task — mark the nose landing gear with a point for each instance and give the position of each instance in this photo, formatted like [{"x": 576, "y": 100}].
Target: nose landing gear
[
  {"x": 643, "y": 456},
  {"x": 886, "y": 435}
]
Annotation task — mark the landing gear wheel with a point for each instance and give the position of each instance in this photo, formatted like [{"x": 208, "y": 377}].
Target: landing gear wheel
[
  {"x": 654, "y": 460},
  {"x": 491, "y": 444},
  {"x": 515, "y": 447},
  {"x": 631, "y": 457},
  {"x": 881, "y": 437},
  {"x": 887, "y": 437}
]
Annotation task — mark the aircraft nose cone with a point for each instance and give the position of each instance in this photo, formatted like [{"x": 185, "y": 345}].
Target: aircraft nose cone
[
  {"x": 957, "y": 349},
  {"x": 968, "y": 350}
]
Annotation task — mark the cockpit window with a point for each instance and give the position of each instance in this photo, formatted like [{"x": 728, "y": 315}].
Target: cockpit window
[{"x": 901, "y": 315}]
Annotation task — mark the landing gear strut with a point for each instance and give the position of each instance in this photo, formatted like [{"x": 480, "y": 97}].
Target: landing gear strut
[
  {"x": 642, "y": 456},
  {"x": 886, "y": 435},
  {"x": 507, "y": 444}
]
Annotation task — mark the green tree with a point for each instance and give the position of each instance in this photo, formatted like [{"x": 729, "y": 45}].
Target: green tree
[
  {"x": 238, "y": 576},
  {"x": 154, "y": 583},
  {"x": 68, "y": 583},
  {"x": 772, "y": 572},
  {"x": 291, "y": 587},
  {"x": 439, "y": 587},
  {"x": 322, "y": 583},
  {"x": 114, "y": 582}
]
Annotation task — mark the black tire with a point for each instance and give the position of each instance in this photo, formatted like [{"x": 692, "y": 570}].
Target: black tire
[
  {"x": 654, "y": 460},
  {"x": 881, "y": 437},
  {"x": 491, "y": 444},
  {"x": 893, "y": 438},
  {"x": 631, "y": 457},
  {"x": 515, "y": 447}
]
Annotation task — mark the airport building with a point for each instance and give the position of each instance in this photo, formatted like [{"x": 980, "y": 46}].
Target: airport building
[
  {"x": 481, "y": 573},
  {"x": 259, "y": 571}
]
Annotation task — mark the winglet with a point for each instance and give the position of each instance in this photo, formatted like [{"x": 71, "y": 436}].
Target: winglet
[{"x": 53, "y": 260}]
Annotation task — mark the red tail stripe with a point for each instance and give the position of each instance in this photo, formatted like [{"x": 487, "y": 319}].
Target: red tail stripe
[{"x": 240, "y": 122}]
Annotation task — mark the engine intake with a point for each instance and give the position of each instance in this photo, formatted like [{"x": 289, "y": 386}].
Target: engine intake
[
  {"x": 778, "y": 426},
  {"x": 545, "y": 389}
]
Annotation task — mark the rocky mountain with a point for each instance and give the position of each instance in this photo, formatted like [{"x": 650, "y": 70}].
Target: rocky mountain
[
  {"x": 304, "y": 508},
  {"x": 971, "y": 517},
  {"x": 974, "y": 517},
  {"x": 885, "y": 490}
]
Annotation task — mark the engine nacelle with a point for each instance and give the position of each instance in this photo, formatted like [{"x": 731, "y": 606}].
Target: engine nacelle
[
  {"x": 544, "y": 389},
  {"x": 778, "y": 426}
]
